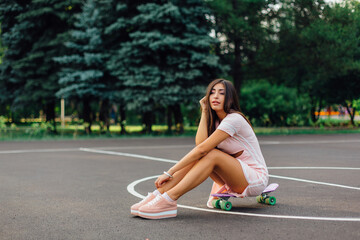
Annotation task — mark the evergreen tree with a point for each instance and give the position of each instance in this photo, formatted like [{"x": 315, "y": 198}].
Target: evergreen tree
[
  {"x": 84, "y": 76},
  {"x": 1, "y": 87},
  {"x": 167, "y": 59},
  {"x": 34, "y": 34},
  {"x": 17, "y": 45},
  {"x": 116, "y": 33},
  {"x": 1, "y": 47}
]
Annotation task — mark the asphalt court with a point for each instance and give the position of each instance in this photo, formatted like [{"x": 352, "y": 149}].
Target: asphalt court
[{"x": 84, "y": 189}]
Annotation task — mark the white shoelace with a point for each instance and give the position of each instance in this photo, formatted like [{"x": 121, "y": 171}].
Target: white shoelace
[
  {"x": 145, "y": 198},
  {"x": 155, "y": 200}
]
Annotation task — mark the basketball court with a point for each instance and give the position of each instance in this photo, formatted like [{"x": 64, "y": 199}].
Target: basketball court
[{"x": 84, "y": 189}]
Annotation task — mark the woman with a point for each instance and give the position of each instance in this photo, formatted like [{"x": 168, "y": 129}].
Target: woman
[{"x": 227, "y": 150}]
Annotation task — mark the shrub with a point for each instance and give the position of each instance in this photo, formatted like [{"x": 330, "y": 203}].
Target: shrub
[
  {"x": 274, "y": 105},
  {"x": 2, "y": 122}
]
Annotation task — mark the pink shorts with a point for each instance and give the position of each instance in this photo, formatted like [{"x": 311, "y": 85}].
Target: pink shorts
[{"x": 257, "y": 181}]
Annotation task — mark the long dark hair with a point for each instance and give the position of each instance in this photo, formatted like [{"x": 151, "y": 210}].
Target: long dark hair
[{"x": 231, "y": 104}]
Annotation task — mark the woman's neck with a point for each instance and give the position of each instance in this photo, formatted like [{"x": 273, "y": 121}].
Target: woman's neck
[{"x": 221, "y": 115}]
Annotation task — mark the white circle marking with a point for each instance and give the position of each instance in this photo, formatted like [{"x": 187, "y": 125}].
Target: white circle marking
[{"x": 131, "y": 190}]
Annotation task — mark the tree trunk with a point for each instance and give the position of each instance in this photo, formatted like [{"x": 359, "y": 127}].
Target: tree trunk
[
  {"x": 147, "y": 120},
  {"x": 14, "y": 118},
  {"x": 122, "y": 119},
  {"x": 351, "y": 113},
  {"x": 169, "y": 119},
  {"x": 87, "y": 115},
  {"x": 49, "y": 110},
  {"x": 104, "y": 115},
  {"x": 178, "y": 118},
  {"x": 315, "y": 117}
]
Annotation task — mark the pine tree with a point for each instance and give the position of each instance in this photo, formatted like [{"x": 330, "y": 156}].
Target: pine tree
[
  {"x": 115, "y": 34},
  {"x": 35, "y": 31},
  {"x": 84, "y": 76},
  {"x": 17, "y": 44},
  {"x": 1, "y": 47},
  {"x": 2, "y": 94},
  {"x": 167, "y": 60}
]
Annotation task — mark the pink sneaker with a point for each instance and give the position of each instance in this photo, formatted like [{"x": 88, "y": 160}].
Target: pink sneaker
[
  {"x": 209, "y": 202},
  {"x": 216, "y": 189},
  {"x": 158, "y": 208},
  {"x": 135, "y": 207}
]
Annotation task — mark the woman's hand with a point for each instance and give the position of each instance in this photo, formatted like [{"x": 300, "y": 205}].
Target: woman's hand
[
  {"x": 203, "y": 104},
  {"x": 161, "y": 180}
]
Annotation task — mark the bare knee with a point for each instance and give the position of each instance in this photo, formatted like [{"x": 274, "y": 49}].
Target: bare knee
[
  {"x": 213, "y": 154},
  {"x": 211, "y": 157}
]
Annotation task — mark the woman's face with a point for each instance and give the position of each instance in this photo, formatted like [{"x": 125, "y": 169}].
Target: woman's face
[{"x": 217, "y": 97}]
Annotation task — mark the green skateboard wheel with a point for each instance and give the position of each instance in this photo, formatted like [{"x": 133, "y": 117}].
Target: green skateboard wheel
[
  {"x": 216, "y": 203},
  {"x": 270, "y": 200},
  {"x": 226, "y": 205},
  {"x": 259, "y": 199}
]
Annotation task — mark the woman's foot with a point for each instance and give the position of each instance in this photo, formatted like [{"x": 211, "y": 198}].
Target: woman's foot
[
  {"x": 135, "y": 207},
  {"x": 209, "y": 202},
  {"x": 216, "y": 189},
  {"x": 158, "y": 208}
]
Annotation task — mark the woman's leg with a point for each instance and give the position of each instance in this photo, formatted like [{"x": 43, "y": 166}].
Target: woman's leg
[
  {"x": 215, "y": 163},
  {"x": 216, "y": 178},
  {"x": 178, "y": 176}
]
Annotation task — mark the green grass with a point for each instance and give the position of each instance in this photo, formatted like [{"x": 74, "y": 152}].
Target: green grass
[
  {"x": 70, "y": 132},
  {"x": 305, "y": 130},
  {"x": 130, "y": 129}
]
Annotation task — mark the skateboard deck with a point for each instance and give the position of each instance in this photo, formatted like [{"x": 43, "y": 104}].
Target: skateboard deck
[{"x": 223, "y": 203}]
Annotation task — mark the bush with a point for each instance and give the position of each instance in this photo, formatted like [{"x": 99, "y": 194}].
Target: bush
[
  {"x": 39, "y": 129},
  {"x": 274, "y": 105},
  {"x": 2, "y": 123}
]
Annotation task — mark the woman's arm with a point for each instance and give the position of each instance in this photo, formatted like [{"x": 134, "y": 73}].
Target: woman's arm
[
  {"x": 202, "y": 132},
  {"x": 195, "y": 154}
]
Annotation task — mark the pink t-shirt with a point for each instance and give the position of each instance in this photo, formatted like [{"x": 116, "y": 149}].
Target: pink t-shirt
[{"x": 242, "y": 138}]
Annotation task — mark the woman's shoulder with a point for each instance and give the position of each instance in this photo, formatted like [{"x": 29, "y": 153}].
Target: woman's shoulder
[
  {"x": 234, "y": 115},
  {"x": 235, "y": 118},
  {"x": 231, "y": 118}
]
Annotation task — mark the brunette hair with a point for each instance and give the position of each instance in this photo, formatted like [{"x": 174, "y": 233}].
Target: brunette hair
[{"x": 231, "y": 103}]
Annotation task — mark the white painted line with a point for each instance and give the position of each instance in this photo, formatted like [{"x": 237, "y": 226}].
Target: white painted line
[
  {"x": 174, "y": 161},
  {"x": 312, "y": 168},
  {"x": 128, "y": 155},
  {"x": 131, "y": 190},
  {"x": 171, "y": 146},
  {"x": 131, "y": 187},
  {"x": 274, "y": 176},
  {"x": 314, "y": 182},
  {"x": 308, "y": 142},
  {"x": 146, "y": 147},
  {"x": 274, "y": 216},
  {"x": 40, "y": 150}
]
